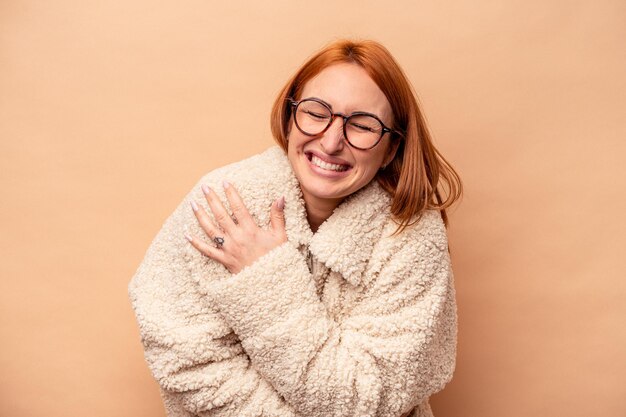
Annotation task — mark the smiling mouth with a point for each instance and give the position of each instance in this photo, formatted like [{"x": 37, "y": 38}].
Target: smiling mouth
[{"x": 326, "y": 165}]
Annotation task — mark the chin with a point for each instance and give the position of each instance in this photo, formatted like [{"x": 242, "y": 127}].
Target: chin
[
  {"x": 328, "y": 189},
  {"x": 324, "y": 193}
]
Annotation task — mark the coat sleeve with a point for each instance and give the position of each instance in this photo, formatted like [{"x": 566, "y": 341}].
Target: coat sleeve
[
  {"x": 191, "y": 351},
  {"x": 396, "y": 347}
]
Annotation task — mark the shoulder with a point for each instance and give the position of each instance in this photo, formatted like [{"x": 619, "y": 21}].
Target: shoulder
[
  {"x": 431, "y": 228},
  {"x": 259, "y": 179},
  {"x": 411, "y": 258},
  {"x": 252, "y": 171},
  {"x": 427, "y": 225},
  {"x": 256, "y": 178},
  {"x": 370, "y": 209},
  {"x": 427, "y": 236}
]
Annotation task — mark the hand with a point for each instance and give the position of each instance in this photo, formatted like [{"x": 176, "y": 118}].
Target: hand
[{"x": 239, "y": 242}]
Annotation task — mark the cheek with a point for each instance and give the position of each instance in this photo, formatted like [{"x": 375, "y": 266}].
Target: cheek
[
  {"x": 296, "y": 140},
  {"x": 370, "y": 163}
]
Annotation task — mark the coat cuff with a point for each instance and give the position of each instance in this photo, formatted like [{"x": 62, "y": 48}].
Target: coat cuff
[{"x": 271, "y": 290}]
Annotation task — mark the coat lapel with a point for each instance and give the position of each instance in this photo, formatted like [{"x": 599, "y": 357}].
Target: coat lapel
[{"x": 345, "y": 241}]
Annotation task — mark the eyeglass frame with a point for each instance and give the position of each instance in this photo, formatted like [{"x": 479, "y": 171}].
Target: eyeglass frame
[{"x": 385, "y": 129}]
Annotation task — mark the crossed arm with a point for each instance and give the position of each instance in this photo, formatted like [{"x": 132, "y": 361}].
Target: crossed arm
[{"x": 216, "y": 351}]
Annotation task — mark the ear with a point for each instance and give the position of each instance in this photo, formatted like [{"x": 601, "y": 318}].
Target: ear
[{"x": 391, "y": 152}]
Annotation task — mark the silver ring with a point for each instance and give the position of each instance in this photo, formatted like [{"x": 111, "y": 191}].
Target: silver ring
[{"x": 219, "y": 241}]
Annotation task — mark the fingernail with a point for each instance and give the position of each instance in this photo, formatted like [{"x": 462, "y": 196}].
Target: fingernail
[
  {"x": 205, "y": 189},
  {"x": 226, "y": 184},
  {"x": 194, "y": 206},
  {"x": 281, "y": 202},
  {"x": 188, "y": 237}
]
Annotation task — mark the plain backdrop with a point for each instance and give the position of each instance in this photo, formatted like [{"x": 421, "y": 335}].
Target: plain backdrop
[{"x": 111, "y": 110}]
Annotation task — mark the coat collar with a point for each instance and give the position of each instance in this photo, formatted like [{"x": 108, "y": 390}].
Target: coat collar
[{"x": 345, "y": 241}]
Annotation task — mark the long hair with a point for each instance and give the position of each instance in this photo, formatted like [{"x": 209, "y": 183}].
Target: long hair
[{"x": 418, "y": 176}]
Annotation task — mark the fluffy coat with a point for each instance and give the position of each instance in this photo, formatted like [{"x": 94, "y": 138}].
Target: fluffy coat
[{"x": 347, "y": 321}]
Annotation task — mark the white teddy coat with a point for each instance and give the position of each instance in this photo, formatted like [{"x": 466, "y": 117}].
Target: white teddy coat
[{"x": 347, "y": 321}]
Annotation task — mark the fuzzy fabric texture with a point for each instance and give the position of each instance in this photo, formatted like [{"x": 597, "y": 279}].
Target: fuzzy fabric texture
[{"x": 347, "y": 321}]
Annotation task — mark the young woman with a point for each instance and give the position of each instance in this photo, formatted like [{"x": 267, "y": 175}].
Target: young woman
[{"x": 313, "y": 279}]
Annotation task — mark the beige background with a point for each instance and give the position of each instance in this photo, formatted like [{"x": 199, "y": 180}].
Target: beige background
[{"x": 111, "y": 111}]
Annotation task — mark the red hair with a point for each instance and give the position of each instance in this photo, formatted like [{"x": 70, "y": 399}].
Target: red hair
[{"x": 418, "y": 175}]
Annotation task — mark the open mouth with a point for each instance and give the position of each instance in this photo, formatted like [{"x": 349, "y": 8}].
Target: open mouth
[{"x": 326, "y": 165}]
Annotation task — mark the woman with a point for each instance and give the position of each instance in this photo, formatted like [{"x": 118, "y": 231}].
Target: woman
[{"x": 312, "y": 279}]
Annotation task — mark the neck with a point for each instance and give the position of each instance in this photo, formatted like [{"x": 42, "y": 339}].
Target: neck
[{"x": 318, "y": 210}]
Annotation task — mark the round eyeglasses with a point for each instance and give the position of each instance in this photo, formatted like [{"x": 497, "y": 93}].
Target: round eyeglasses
[{"x": 362, "y": 130}]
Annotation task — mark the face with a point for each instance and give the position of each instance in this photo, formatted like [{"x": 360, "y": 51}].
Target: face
[{"x": 347, "y": 88}]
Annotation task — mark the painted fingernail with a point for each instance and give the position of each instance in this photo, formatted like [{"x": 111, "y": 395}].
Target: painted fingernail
[
  {"x": 188, "y": 237},
  {"x": 205, "y": 189},
  {"x": 226, "y": 184},
  {"x": 194, "y": 206},
  {"x": 281, "y": 202}
]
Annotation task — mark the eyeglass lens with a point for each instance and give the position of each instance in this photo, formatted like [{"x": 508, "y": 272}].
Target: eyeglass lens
[{"x": 361, "y": 131}]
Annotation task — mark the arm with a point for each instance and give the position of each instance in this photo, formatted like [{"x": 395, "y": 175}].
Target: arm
[
  {"x": 395, "y": 349},
  {"x": 193, "y": 354}
]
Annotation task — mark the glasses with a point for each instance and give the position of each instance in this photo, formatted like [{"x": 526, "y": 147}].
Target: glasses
[{"x": 362, "y": 130}]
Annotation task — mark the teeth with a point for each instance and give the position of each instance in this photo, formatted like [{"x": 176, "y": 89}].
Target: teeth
[{"x": 326, "y": 165}]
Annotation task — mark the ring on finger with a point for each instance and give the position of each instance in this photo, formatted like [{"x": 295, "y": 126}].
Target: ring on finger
[{"x": 219, "y": 242}]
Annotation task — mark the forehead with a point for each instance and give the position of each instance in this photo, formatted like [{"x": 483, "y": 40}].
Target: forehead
[{"x": 347, "y": 87}]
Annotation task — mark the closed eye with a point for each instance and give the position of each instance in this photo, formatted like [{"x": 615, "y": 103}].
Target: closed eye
[
  {"x": 317, "y": 115},
  {"x": 362, "y": 127}
]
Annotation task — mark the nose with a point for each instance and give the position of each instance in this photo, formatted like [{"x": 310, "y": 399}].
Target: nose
[{"x": 332, "y": 140}]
